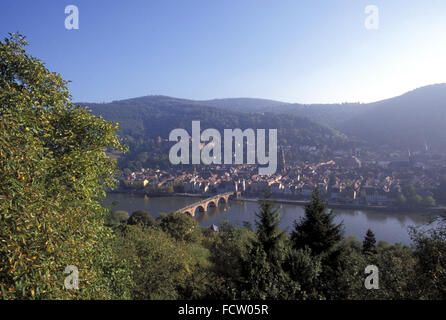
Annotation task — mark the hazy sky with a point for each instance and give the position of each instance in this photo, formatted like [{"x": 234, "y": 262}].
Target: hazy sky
[{"x": 289, "y": 50}]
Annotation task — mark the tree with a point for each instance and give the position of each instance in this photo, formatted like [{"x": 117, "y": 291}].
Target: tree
[
  {"x": 262, "y": 272},
  {"x": 264, "y": 279},
  {"x": 141, "y": 217},
  {"x": 430, "y": 251},
  {"x": 161, "y": 266},
  {"x": 396, "y": 265},
  {"x": 120, "y": 215},
  {"x": 316, "y": 230},
  {"x": 269, "y": 236},
  {"x": 228, "y": 250},
  {"x": 401, "y": 200},
  {"x": 369, "y": 243},
  {"x": 304, "y": 270},
  {"x": 117, "y": 219},
  {"x": 53, "y": 177},
  {"x": 428, "y": 201},
  {"x": 180, "y": 226},
  {"x": 409, "y": 190},
  {"x": 415, "y": 200}
]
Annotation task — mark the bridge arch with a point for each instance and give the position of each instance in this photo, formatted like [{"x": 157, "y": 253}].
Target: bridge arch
[
  {"x": 211, "y": 204},
  {"x": 200, "y": 208}
]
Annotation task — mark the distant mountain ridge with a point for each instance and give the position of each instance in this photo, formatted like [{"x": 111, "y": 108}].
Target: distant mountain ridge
[
  {"x": 232, "y": 104},
  {"x": 409, "y": 120},
  {"x": 244, "y": 104},
  {"x": 412, "y": 119}
]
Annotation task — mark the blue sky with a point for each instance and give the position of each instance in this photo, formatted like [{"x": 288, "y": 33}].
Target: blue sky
[{"x": 296, "y": 51}]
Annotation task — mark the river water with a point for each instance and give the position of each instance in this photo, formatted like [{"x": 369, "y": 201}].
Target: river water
[{"x": 390, "y": 227}]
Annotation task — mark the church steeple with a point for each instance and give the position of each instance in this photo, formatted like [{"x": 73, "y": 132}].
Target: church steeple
[
  {"x": 409, "y": 154},
  {"x": 283, "y": 161}
]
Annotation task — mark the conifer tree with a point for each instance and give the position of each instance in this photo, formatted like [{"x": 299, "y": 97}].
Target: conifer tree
[
  {"x": 318, "y": 232},
  {"x": 317, "y": 229},
  {"x": 369, "y": 243},
  {"x": 269, "y": 236},
  {"x": 264, "y": 277}
]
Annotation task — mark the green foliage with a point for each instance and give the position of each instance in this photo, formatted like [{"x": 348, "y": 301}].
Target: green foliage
[
  {"x": 117, "y": 219},
  {"x": 428, "y": 201},
  {"x": 263, "y": 274},
  {"x": 269, "y": 236},
  {"x": 264, "y": 279},
  {"x": 415, "y": 200},
  {"x": 397, "y": 276},
  {"x": 430, "y": 251},
  {"x": 316, "y": 230},
  {"x": 141, "y": 217},
  {"x": 180, "y": 226},
  {"x": 369, "y": 243},
  {"x": 237, "y": 263},
  {"x": 53, "y": 173},
  {"x": 395, "y": 269},
  {"x": 401, "y": 200},
  {"x": 228, "y": 249},
  {"x": 161, "y": 265},
  {"x": 120, "y": 215},
  {"x": 352, "y": 243},
  {"x": 304, "y": 270}
]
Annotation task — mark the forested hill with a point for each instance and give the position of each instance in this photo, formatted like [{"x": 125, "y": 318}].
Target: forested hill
[
  {"x": 410, "y": 120},
  {"x": 146, "y": 118},
  {"x": 157, "y": 115}
]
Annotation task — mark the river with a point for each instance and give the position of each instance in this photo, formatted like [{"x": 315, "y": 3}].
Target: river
[{"x": 390, "y": 227}]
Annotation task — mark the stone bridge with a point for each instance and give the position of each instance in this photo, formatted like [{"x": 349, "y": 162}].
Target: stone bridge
[{"x": 211, "y": 202}]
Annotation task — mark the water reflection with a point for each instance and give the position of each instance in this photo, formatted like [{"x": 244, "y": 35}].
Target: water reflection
[{"x": 212, "y": 212}]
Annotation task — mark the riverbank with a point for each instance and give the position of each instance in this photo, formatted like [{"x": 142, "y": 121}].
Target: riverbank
[
  {"x": 351, "y": 206},
  {"x": 254, "y": 198}
]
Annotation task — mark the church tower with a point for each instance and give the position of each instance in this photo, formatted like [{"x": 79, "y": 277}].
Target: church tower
[{"x": 283, "y": 161}]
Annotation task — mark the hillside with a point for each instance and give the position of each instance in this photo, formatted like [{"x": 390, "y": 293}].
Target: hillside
[
  {"x": 409, "y": 120},
  {"x": 330, "y": 114},
  {"x": 157, "y": 115},
  {"x": 406, "y": 121}
]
